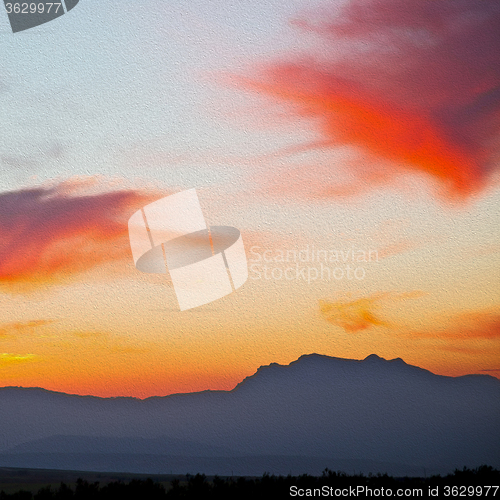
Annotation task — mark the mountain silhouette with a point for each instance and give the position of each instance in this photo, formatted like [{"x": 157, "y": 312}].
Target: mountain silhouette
[{"x": 373, "y": 415}]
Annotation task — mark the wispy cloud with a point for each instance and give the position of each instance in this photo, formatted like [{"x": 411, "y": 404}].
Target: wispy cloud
[
  {"x": 30, "y": 160},
  {"x": 52, "y": 232},
  {"x": 352, "y": 316},
  {"x": 360, "y": 314},
  {"x": 470, "y": 325},
  {"x": 414, "y": 84},
  {"x": 20, "y": 328}
]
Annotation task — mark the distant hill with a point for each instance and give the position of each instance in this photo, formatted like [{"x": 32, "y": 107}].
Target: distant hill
[
  {"x": 371, "y": 416},
  {"x": 122, "y": 445}
]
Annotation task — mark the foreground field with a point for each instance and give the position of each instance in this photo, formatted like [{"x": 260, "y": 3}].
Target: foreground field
[{"x": 30, "y": 484}]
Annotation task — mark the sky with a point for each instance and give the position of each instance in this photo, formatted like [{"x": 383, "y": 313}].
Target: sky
[{"x": 360, "y": 136}]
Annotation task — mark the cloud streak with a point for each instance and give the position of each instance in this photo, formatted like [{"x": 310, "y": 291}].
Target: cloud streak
[
  {"x": 470, "y": 325},
  {"x": 48, "y": 233},
  {"x": 414, "y": 84},
  {"x": 20, "y": 328}
]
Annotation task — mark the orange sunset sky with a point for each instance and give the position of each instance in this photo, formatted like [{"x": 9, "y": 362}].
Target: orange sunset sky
[{"x": 367, "y": 131}]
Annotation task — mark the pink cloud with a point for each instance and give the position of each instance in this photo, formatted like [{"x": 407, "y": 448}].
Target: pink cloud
[{"x": 52, "y": 232}]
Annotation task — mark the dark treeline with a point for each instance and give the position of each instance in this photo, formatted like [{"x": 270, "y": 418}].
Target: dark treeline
[{"x": 267, "y": 486}]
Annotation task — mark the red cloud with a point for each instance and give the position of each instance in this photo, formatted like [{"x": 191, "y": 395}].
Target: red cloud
[
  {"x": 416, "y": 83},
  {"x": 51, "y": 232}
]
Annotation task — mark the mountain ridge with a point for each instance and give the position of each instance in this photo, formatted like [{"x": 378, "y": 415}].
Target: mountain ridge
[
  {"x": 263, "y": 368},
  {"x": 373, "y": 410}
]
